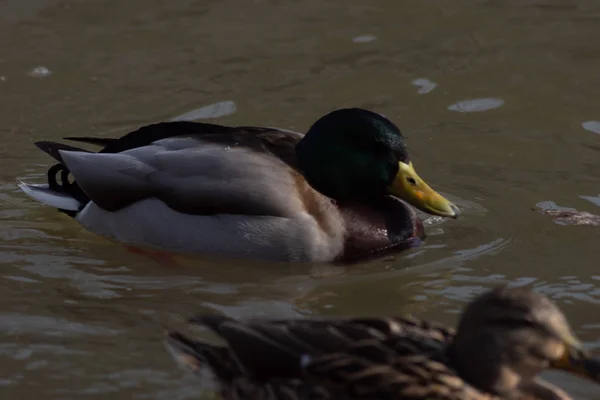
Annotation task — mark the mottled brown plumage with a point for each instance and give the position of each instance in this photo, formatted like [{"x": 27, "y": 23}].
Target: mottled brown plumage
[{"x": 514, "y": 334}]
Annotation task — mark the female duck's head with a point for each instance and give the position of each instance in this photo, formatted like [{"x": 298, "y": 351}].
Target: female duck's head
[
  {"x": 354, "y": 154},
  {"x": 507, "y": 336}
]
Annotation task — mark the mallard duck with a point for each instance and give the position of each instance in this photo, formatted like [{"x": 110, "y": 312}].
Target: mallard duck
[
  {"x": 504, "y": 339},
  {"x": 336, "y": 193}
]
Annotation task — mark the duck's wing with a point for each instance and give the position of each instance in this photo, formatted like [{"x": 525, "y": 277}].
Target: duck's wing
[
  {"x": 379, "y": 371},
  {"x": 362, "y": 358},
  {"x": 206, "y": 359},
  {"x": 280, "y": 142},
  {"x": 194, "y": 168},
  {"x": 275, "y": 348}
]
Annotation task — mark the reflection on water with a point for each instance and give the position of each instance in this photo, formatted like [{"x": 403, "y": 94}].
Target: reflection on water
[
  {"x": 424, "y": 84},
  {"x": 364, "y": 38},
  {"x": 83, "y": 316},
  {"x": 592, "y": 126},
  {"x": 217, "y": 110},
  {"x": 474, "y": 105},
  {"x": 593, "y": 199}
]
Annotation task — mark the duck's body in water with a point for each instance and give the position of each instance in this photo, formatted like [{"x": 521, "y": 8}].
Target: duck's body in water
[
  {"x": 504, "y": 339},
  {"x": 335, "y": 194}
]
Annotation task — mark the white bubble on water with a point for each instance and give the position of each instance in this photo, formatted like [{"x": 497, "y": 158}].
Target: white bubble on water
[
  {"x": 40, "y": 72},
  {"x": 425, "y": 85}
]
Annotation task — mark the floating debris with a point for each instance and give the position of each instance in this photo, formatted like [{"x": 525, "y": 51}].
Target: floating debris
[
  {"x": 364, "y": 38},
  {"x": 424, "y": 84},
  {"x": 215, "y": 110},
  {"x": 573, "y": 217},
  {"x": 40, "y": 72},
  {"x": 592, "y": 126},
  {"x": 475, "y": 105}
]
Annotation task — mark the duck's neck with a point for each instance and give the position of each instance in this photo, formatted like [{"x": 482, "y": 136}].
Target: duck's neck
[{"x": 480, "y": 364}]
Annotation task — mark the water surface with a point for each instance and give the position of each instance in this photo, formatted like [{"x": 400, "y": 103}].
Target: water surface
[{"x": 498, "y": 100}]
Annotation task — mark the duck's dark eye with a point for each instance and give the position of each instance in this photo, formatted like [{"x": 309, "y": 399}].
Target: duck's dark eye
[{"x": 411, "y": 180}]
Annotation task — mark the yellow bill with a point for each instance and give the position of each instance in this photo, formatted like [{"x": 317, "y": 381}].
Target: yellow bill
[
  {"x": 410, "y": 187},
  {"x": 577, "y": 361}
]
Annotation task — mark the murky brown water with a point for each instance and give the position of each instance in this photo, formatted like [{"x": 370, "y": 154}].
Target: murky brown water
[{"x": 81, "y": 317}]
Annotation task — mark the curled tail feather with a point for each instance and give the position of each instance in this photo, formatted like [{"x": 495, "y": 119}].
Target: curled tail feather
[
  {"x": 59, "y": 192},
  {"x": 46, "y": 195}
]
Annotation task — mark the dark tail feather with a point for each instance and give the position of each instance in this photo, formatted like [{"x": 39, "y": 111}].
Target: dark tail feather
[
  {"x": 92, "y": 140},
  {"x": 198, "y": 355},
  {"x": 54, "y": 198},
  {"x": 52, "y": 148},
  {"x": 63, "y": 186},
  {"x": 151, "y": 133}
]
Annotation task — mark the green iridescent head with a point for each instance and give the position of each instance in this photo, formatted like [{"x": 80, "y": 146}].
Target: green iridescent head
[{"x": 358, "y": 155}]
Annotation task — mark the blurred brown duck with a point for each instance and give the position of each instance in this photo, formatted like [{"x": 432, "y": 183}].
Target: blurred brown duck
[
  {"x": 336, "y": 193},
  {"x": 504, "y": 339}
]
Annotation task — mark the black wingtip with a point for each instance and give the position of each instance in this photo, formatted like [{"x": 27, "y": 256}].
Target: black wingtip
[
  {"x": 52, "y": 149},
  {"x": 198, "y": 355},
  {"x": 183, "y": 350},
  {"x": 92, "y": 140},
  {"x": 180, "y": 341}
]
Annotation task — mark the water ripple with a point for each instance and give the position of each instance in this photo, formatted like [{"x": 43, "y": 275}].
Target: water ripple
[{"x": 18, "y": 324}]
